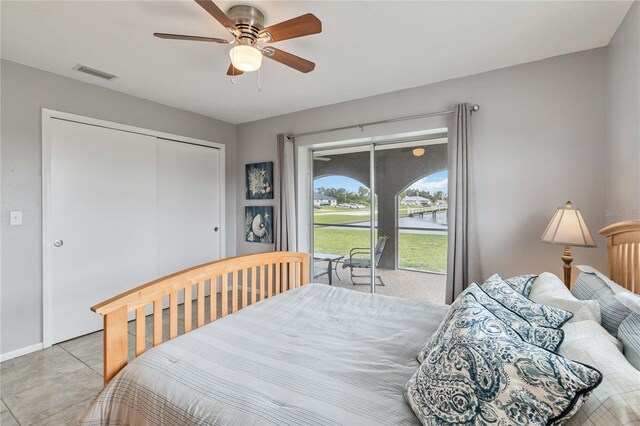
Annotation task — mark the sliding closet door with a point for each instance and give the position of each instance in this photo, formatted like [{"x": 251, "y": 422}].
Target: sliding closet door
[
  {"x": 188, "y": 205},
  {"x": 103, "y": 222}
]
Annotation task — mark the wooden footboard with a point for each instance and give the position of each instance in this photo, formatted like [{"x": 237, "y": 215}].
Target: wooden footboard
[{"x": 249, "y": 279}]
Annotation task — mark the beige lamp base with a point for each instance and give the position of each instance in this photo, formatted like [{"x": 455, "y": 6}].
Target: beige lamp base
[{"x": 567, "y": 259}]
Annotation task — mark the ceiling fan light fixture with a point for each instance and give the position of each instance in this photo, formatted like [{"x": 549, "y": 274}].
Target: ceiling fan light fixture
[
  {"x": 418, "y": 152},
  {"x": 245, "y": 58}
]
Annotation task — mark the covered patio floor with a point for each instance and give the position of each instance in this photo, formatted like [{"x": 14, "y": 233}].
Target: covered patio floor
[{"x": 403, "y": 283}]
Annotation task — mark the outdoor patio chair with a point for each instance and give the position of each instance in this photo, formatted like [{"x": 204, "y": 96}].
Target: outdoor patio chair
[{"x": 357, "y": 261}]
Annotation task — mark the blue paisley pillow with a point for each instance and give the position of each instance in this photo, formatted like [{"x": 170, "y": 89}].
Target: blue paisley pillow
[
  {"x": 522, "y": 283},
  {"x": 462, "y": 302},
  {"x": 545, "y": 337},
  {"x": 478, "y": 374},
  {"x": 542, "y": 315}
]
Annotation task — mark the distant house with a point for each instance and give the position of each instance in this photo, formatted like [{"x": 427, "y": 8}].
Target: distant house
[
  {"x": 320, "y": 200},
  {"x": 415, "y": 201}
]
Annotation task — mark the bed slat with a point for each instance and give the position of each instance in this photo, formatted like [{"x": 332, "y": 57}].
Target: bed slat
[
  {"x": 245, "y": 288},
  {"x": 188, "y": 314},
  {"x": 292, "y": 277},
  {"x": 173, "y": 315},
  {"x": 157, "y": 322},
  {"x": 201, "y": 285},
  {"x": 213, "y": 299},
  {"x": 278, "y": 268},
  {"x": 263, "y": 281},
  {"x": 225, "y": 295},
  {"x": 254, "y": 284},
  {"x": 140, "y": 330},
  {"x": 234, "y": 292}
]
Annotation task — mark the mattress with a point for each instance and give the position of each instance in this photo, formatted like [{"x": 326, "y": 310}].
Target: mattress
[{"x": 315, "y": 355}]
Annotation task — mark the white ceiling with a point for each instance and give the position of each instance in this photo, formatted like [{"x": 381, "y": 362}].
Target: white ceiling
[{"x": 366, "y": 48}]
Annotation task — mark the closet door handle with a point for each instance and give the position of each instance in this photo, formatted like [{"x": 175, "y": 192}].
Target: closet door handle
[
  {"x": 58, "y": 243},
  {"x": 215, "y": 229}
]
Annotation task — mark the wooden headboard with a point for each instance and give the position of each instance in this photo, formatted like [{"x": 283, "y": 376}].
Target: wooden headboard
[{"x": 623, "y": 253}]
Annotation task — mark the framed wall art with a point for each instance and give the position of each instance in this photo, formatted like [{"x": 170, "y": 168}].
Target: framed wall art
[{"x": 259, "y": 181}]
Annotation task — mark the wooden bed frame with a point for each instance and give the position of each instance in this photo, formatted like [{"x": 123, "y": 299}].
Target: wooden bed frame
[
  {"x": 623, "y": 253},
  {"x": 272, "y": 273}
]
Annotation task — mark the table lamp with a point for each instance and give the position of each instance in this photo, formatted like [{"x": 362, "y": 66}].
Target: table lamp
[{"x": 567, "y": 227}]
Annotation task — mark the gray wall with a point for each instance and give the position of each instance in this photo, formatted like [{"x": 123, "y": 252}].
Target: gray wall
[
  {"x": 623, "y": 120},
  {"x": 539, "y": 140},
  {"x": 25, "y": 91}
]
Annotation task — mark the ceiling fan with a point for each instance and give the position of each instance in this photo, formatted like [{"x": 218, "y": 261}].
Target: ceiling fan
[{"x": 246, "y": 24}]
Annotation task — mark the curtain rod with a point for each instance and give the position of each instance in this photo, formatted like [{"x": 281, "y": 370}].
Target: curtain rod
[{"x": 473, "y": 108}]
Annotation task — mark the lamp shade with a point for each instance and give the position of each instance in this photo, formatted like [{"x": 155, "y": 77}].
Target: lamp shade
[
  {"x": 245, "y": 58},
  {"x": 568, "y": 227}
]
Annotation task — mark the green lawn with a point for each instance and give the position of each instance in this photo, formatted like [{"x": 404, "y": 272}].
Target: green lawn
[
  {"x": 341, "y": 218},
  {"x": 417, "y": 251},
  {"x": 331, "y": 215}
]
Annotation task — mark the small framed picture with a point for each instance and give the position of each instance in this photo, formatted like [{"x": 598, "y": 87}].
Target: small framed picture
[
  {"x": 259, "y": 180},
  {"x": 258, "y": 224}
]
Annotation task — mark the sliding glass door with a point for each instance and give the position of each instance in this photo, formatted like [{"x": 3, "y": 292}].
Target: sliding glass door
[
  {"x": 379, "y": 218},
  {"x": 342, "y": 212}
]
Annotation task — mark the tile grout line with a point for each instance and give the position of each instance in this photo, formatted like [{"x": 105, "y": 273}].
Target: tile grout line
[
  {"x": 10, "y": 412},
  {"x": 66, "y": 408},
  {"x": 85, "y": 364},
  {"x": 79, "y": 402}
]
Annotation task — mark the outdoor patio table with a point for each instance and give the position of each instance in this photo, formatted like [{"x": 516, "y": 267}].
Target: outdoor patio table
[{"x": 330, "y": 259}]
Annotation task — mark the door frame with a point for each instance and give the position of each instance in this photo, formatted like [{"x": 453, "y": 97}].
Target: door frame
[{"x": 47, "y": 116}]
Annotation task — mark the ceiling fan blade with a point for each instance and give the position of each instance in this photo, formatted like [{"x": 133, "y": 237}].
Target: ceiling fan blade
[
  {"x": 191, "y": 38},
  {"x": 301, "y": 26},
  {"x": 288, "y": 59},
  {"x": 233, "y": 71},
  {"x": 220, "y": 16}
]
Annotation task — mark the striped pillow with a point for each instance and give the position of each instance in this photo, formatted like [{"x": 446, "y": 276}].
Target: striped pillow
[
  {"x": 629, "y": 335},
  {"x": 591, "y": 287}
]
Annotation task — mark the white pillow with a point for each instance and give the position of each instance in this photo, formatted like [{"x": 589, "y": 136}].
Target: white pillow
[
  {"x": 629, "y": 300},
  {"x": 548, "y": 290},
  {"x": 617, "y": 400}
]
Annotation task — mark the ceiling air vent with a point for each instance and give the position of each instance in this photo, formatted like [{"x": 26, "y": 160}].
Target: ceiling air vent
[{"x": 94, "y": 72}]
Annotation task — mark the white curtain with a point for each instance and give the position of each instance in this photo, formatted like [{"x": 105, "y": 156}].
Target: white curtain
[
  {"x": 285, "y": 232},
  {"x": 462, "y": 260}
]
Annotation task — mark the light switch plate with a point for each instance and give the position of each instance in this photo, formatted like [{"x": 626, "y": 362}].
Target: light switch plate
[{"x": 15, "y": 218}]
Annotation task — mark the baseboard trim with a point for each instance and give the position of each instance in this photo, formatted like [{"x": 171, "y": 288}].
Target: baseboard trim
[{"x": 19, "y": 352}]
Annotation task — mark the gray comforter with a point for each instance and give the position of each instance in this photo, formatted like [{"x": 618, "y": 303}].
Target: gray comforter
[{"x": 314, "y": 355}]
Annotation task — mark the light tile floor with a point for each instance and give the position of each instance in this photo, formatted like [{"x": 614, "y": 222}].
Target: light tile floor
[{"x": 53, "y": 386}]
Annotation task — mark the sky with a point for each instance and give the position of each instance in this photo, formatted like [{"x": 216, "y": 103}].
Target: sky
[{"x": 432, "y": 183}]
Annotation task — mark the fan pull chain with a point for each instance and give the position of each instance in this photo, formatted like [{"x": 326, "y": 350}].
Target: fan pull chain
[{"x": 259, "y": 82}]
